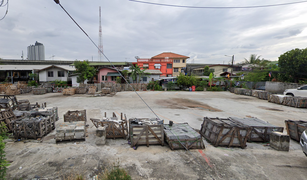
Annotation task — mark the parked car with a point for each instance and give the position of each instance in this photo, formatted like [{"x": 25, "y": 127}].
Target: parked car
[
  {"x": 303, "y": 142},
  {"x": 300, "y": 91}
]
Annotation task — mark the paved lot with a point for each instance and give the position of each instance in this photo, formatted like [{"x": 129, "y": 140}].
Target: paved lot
[{"x": 31, "y": 159}]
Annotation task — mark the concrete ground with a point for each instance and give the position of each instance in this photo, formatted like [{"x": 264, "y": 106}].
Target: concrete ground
[{"x": 45, "y": 159}]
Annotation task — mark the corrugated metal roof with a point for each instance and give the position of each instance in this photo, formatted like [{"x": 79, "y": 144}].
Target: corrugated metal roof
[
  {"x": 150, "y": 71},
  {"x": 170, "y": 55},
  {"x": 31, "y": 67}
]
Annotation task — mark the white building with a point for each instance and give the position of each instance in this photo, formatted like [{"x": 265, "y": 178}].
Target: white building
[{"x": 54, "y": 72}]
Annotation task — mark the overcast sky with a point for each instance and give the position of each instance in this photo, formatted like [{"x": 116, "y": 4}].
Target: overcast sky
[{"x": 132, "y": 29}]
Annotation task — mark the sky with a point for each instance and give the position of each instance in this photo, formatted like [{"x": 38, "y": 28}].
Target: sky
[{"x": 131, "y": 29}]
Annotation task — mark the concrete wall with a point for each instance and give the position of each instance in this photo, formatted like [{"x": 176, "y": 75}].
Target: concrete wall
[
  {"x": 74, "y": 82},
  {"x": 279, "y": 87}
]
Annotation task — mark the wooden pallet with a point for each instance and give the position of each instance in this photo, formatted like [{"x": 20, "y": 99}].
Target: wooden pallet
[
  {"x": 146, "y": 134},
  {"x": 224, "y": 132},
  {"x": 72, "y": 116},
  {"x": 33, "y": 128},
  {"x": 261, "y": 130},
  {"x": 295, "y": 128},
  {"x": 113, "y": 129},
  {"x": 7, "y": 116}
]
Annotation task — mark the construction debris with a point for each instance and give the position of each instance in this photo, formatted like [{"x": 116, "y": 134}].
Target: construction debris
[
  {"x": 182, "y": 136},
  {"x": 115, "y": 128},
  {"x": 295, "y": 129},
  {"x": 101, "y": 136},
  {"x": 225, "y": 132},
  {"x": 146, "y": 131}
]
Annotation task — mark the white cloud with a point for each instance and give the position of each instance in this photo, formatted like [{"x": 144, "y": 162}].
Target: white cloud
[{"x": 132, "y": 29}]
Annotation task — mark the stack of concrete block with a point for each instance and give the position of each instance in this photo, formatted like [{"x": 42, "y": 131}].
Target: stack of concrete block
[
  {"x": 70, "y": 131},
  {"x": 105, "y": 90},
  {"x": 182, "y": 136},
  {"x": 101, "y": 135},
  {"x": 279, "y": 141}
]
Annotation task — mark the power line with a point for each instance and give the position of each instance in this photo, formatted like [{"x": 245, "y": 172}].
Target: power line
[
  {"x": 7, "y": 8},
  {"x": 58, "y": 2},
  {"x": 218, "y": 7}
]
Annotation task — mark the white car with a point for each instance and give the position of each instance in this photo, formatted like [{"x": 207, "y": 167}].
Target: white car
[{"x": 300, "y": 91}]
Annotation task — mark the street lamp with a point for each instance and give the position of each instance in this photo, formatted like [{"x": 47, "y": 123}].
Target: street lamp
[{"x": 233, "y": 58}]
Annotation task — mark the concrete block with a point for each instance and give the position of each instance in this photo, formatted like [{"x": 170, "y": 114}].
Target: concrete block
[
  {"x": 100, "y": 141},
  {"x": 101, "y": 135},
  {"x": 69, "y": 136},
  {"x": 101, "y": 131},
  {"x": 279, "y": 141}
]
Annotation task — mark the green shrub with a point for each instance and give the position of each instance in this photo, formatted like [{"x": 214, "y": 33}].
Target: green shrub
[
  {"x": 154, "y": 85},
  {"x": 199, "y": 89},
  {"x": 32, "y": 83},
  {"x": 116, "y": 174},
  {"x": 170, "y": 85},
  {"x": 215, "y": 88},
  {"x": 3, "y": 162}
]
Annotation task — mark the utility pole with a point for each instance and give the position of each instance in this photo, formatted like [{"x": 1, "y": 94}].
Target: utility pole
[
  {"x": 100, "y": 36},
  {"x": 233, "y": 58}
]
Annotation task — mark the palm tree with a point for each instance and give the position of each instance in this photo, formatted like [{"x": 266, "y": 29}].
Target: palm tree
[
  {"x": 254, "y": 59},
  {"x": 136, "y": 72}
]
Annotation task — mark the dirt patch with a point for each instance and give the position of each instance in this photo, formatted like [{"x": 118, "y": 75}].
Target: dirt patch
[
  {"x": 177, "y": 103},
  {"x": 271, "y": 109}
]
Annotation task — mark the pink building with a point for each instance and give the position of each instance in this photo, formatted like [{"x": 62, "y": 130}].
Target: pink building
[{"x": 107, "y": 75}]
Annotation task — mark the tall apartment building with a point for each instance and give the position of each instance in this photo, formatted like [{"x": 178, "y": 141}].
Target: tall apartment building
[{"x": 36, "y": 52}]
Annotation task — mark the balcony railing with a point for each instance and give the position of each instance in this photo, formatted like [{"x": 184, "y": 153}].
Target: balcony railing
[{"x": 155, "y": 60}]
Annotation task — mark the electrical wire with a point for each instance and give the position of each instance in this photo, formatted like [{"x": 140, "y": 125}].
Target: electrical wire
[
  {"x": 218, "y": 7},
  {"x": 57, "y": 2},
  {"x": 7, "y": 8}
]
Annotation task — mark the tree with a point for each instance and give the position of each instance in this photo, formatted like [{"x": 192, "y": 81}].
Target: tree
[
  {"x": 84, "y": 71},
  {"x": 186, "y": 81},
  {"x": 136, "y": 72},
  {"x": 293, "y": 65},
  {"x": 210, "y": 79},
  {"x": 253, "y": 59},
  {"x": 207, "y": 71}
]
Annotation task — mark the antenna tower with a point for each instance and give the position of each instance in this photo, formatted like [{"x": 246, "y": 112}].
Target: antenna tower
[{"x": 100, "y": 36}]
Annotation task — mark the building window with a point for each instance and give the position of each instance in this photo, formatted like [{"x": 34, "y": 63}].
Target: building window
[
  {"x": 183, "y": 61},
  {"x": 113, "y": 78},
  {"x": 144, "y": 79},
  {"x": 145, "y": 65},
  {"x": 175, "y": 69},
  {"x": 169, "y": 75},
  {"x": 212, "y": 70},
  {"x": 224, "y": 69},
  {"x": 176, "y": 60},
  {"x": 103, "y": 78},
  {"x": 50, "y": 73},
  {"x": 61, "y": 74},
  {"x": 169, "y": 66},
  {"x": 157, "y": 66}
]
